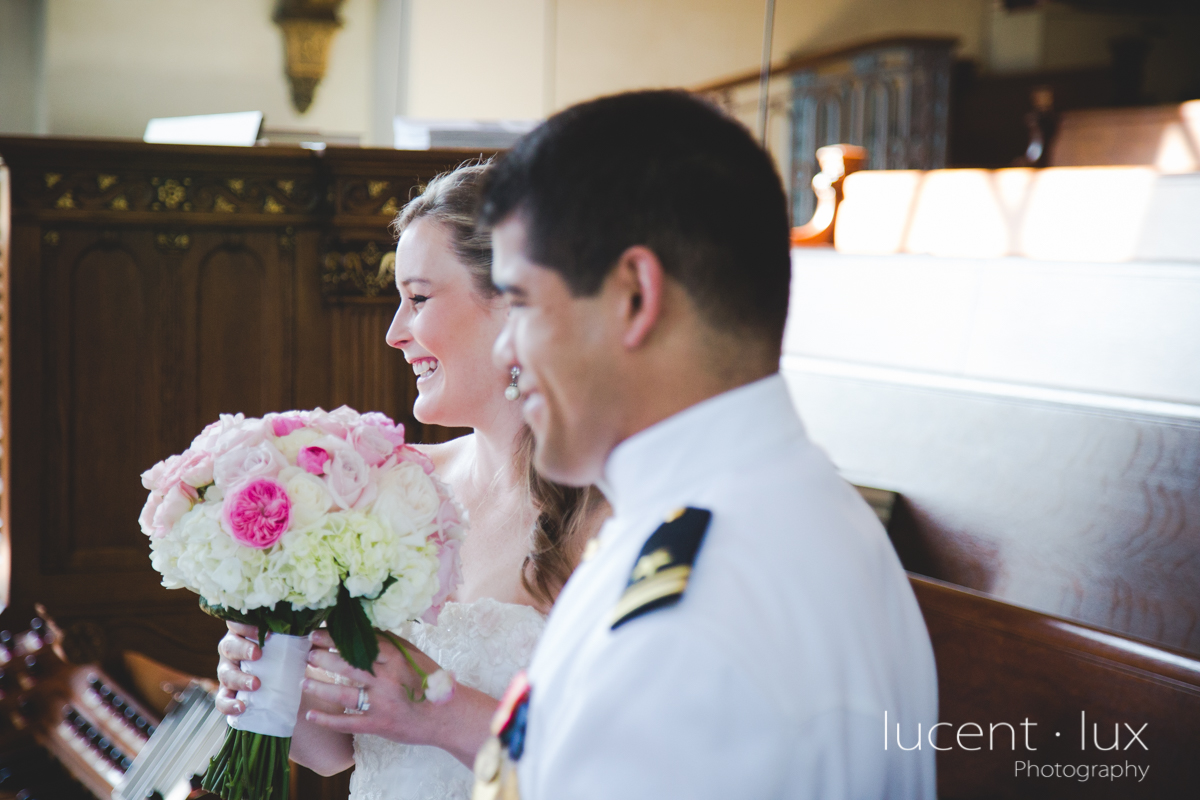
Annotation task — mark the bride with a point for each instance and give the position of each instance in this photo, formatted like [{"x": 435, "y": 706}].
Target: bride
[{"x": 525, "y": 536}]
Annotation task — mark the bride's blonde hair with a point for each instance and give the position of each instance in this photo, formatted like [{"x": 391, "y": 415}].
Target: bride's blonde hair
[{"x": 563, "y": 511}]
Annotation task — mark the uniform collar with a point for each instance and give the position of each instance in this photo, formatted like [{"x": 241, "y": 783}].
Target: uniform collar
[{"x": 656, "y": 465}]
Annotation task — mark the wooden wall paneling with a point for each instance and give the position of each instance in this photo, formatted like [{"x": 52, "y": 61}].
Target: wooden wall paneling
[
  {"x": 241, "y": 304},
  {"x": 98, "y": 294},
  {"x": 311, "y": 323}
]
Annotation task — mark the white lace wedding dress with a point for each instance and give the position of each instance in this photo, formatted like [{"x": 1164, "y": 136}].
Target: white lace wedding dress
[{"x": 483, "y": 644}]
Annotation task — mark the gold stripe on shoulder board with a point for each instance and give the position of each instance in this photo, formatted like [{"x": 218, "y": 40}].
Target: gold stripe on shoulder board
[{"x": 670, "y": 581}]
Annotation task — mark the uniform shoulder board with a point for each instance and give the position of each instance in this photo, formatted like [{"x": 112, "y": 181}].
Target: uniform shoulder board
[{"x": 664, "y": 565}]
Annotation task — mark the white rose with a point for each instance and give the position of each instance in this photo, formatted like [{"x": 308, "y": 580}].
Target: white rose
[
  {"x": 439, "y": 687},
  {"x": 243, "y": 464},
  {"x": 294, "y": 442},
  {"x": 408, "y": 499},
  {"x": 311, "y": 499}
]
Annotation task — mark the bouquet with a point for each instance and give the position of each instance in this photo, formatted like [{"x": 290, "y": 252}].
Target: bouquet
[{"x": 288, "y": 522}]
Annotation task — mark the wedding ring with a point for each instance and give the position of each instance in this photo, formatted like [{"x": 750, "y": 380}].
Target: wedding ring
[{"x": 363, "y": 704}]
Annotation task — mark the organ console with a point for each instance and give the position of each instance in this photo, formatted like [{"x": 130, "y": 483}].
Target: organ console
[
  {"x": 71, "y": 731},
  {"x": 77, "y": 714}
]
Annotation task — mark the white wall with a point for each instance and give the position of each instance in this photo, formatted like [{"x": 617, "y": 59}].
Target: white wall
[
  {"x": 605, "y": 46},
  {"x": 110, "y": 65},
  {"x": 22, "y": 84},
  {"x": 478, "y": 59},
  {"x": 114, "y": 64}
]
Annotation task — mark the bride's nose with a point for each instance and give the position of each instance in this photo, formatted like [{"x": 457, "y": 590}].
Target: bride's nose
[{"x": 398, "y": 334}]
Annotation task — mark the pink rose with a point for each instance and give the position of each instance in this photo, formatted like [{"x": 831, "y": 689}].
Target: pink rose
[
  {"x": 193, "y": 467},
  {"x": 312, "y": 459},
  {"x": 258, "y": 513},
  {"x": 146, "y": 518},
  {"x": 348, "y": 478},
  {"x": 246, "y": 463},
  {"x": 337, "y": 423},
  {"x": 372, "y": 443},
  {"x": 409, "y": 453},
  {"x": 229, "y": 432},
  {"x": 392, "y": 430},
  {"x": 174, "y": 505},
  {"x": 283, "y": 424},
  {"x": 165, "y": 474},
  {"x": 449, "y": 577}
]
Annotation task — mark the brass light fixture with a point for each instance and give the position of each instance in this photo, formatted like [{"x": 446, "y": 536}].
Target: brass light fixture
[{"x": 308, "y": 27}]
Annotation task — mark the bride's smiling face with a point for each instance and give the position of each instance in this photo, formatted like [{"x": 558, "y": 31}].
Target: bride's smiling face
[{"x": 445, "y": 330}]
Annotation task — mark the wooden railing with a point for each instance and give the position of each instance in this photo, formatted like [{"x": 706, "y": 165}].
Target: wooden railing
[{"x": 889, "y": 95}]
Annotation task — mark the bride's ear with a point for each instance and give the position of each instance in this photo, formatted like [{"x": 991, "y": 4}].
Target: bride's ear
[{"x": 638, "y": 280}]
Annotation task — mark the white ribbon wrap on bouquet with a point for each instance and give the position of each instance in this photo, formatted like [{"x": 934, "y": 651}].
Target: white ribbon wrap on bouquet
[{"x": 271, "y": 709}]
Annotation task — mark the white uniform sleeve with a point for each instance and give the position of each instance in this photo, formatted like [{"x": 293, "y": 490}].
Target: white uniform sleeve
[{"x": 673, "y": 715}]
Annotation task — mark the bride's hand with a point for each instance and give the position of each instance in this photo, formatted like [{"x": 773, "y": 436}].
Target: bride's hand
[
  {"x": 459, "y": 726},
  {"x": 391, "y": 713},
  {"x": 238, "y": 645}
]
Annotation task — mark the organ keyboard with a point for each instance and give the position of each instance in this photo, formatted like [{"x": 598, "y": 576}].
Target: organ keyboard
[{"x": 69, "y": 732}]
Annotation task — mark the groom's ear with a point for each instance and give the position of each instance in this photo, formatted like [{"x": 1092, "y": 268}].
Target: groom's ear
[{"x": 638, "y": 281}]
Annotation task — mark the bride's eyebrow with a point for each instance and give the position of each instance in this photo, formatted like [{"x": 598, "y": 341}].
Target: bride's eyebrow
[{"x": 410, "y": 281}]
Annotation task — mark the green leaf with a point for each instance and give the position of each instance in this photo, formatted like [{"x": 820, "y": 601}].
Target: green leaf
[
  {"x": 352, "y": 632},
  {"x": 280, "y": 619}
]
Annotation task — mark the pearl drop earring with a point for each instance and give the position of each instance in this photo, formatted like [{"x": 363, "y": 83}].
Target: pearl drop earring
[{"x": 511, "y": 392}]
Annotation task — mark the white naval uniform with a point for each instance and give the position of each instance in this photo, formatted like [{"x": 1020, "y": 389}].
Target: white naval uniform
[{"x": 770, "y": 677}]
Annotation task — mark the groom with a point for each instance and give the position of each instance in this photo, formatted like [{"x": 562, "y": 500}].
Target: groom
[{"x": 741, "y": 624}]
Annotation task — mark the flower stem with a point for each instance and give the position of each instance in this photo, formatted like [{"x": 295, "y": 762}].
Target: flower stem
[{"x": 399, "y": 645}]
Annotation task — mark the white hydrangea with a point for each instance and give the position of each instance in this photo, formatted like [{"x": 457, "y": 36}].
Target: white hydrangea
[
  {"x": 199, "y": 555},
  {"x": 366, "y": 550},
  {"x": 410, "y": 595},
  {"x": 306, "y": 562}
]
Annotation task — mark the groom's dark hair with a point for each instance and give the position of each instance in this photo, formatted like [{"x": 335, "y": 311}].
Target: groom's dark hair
[{"x": 662, "y": 169}]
